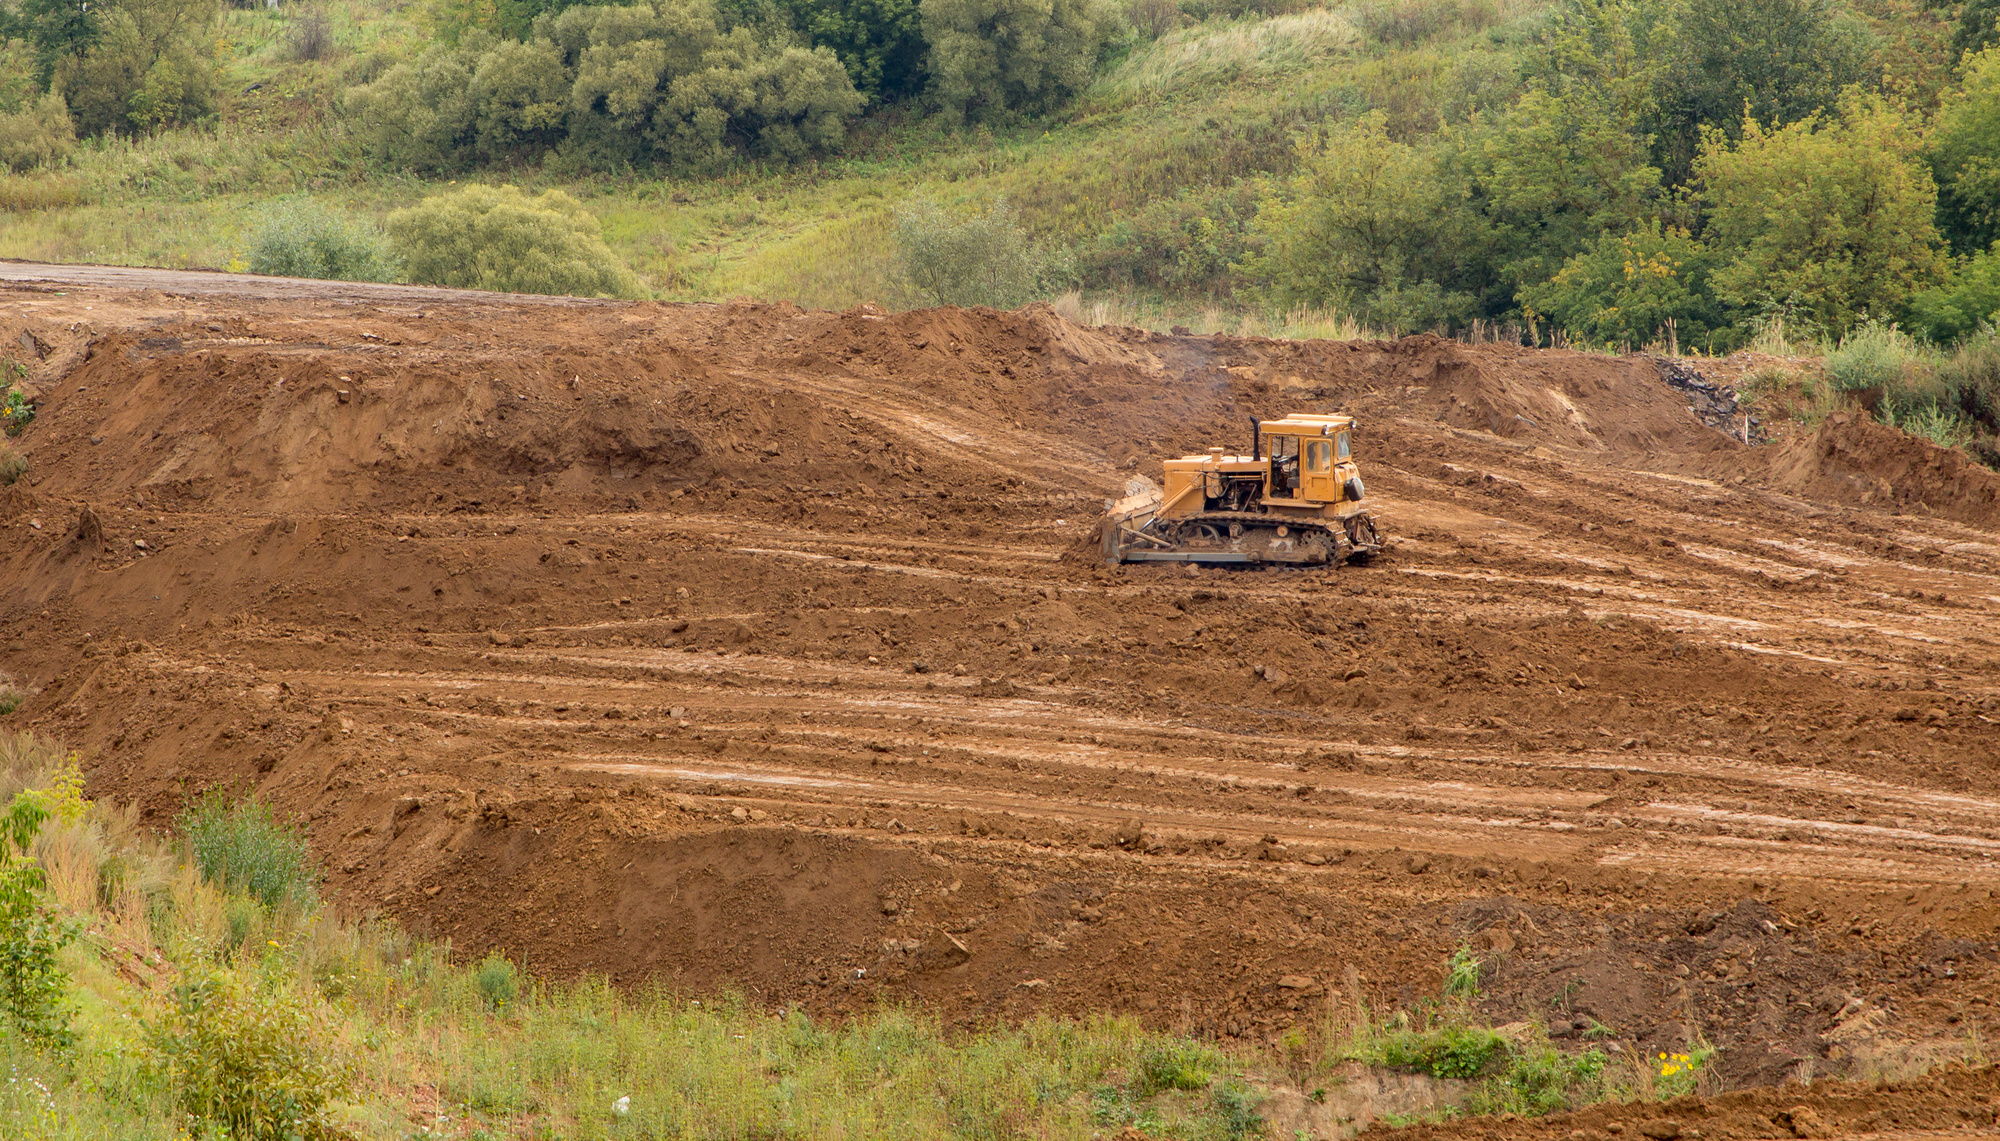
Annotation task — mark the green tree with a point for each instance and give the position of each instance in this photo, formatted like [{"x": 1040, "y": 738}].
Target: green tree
[
  {"x": 1625, "y": 289},
  {"x": 879, "y": 42},
  {"x": 1978, "y": 26},
  {"x": 1774, "y": 61},
  {"x": 1965, "y": 156},
  {"x": 1966, "y": 302},
  {"x": 982, "y": 258},
  {"x": 1366, "y": 225},
  {"x": 59, "y": 30},
  {"x": 1832, "y": 217},
  {"x": 486, "y": 237},
  {"x": 248, "y": 1057},
  {"x": 420, "y": 115},
  {"x": 150, "y": 66},
  {"x": 1009, "y": 57}
]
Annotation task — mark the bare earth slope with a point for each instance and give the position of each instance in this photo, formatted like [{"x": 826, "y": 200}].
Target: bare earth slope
[{"x": 764, "y": 649}]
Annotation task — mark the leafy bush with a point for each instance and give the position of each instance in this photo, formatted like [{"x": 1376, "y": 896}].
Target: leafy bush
[
  {"x": 1968, "y": 300},
  {"x": 1001, "y": 58},
  {"x": 879, "y": 42},
  {"x": 1186, "y": 244},
  {"x": 1451, "y": 1051},
  {"x": 34, "y": 990},
  {"x": 1971, "y": 376},
  {"x": 299, "y": 238},
  {"x": 247, "y": 1058},
  {"x": 240, "y": 846},
  {"x": 1624, "y": 290},
  {"x": 662, "y": 81},
  {"x": 1461, "y": 979},
  {"x": 1365, "y": 226},
  {"x": 1178, "y": 1065},
  {"x": 486, "y": 237},
  {"x": 37, "y": 135},
  {"x": 16, "y": 411},
  {"x": 498, "y": 981},
  {"x": 1875, "y": 355},
  {"x": 981, "y": 258}
]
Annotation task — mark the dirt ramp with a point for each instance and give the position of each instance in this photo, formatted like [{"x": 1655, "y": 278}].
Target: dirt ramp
[{"x": 1852, "y": 459}]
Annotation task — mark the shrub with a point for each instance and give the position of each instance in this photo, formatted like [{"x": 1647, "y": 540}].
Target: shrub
[
  {"x": 1626, "y": 290},
  {"x": 978, "y": 259},
  {"x": 1968, "y": 299},
  {"x": 34, "y": 990},
  {"x": 1008, "y": 57},
  {"x": 1185, "y": 244},
  {"x": 1540, "y": 1080},
  {"x": 1875, "y": 355},
  {"x": 151, "y": 67},
  {"x": 1972, "y": 377},
  {"x": 239, "y": 845},
  {"x": 498, "y": 981},
  {"x": 486, "y": 237},
  {"x": 1450, "y": 1051},
  {"x": 312, "y": 35},
  {"x": 16, "y": 410},
  {"x": 248, "y": 1059},
  {"x": 303, "y": 239},
  {"x": 37, "y": 135},
  {"x": 1176, "y": 1065}
]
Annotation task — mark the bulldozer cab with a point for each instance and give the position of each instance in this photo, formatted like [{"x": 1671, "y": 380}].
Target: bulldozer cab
[
  {"x": 1306, "y": 457},
  {"x": 1284, "y": 459}
]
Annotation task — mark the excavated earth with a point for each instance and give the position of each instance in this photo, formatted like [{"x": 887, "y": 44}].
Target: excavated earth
[{"x": 750, "y": 648}]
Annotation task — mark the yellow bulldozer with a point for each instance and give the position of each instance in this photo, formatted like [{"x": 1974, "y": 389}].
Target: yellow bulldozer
[{"x": 1296, "y": 499}]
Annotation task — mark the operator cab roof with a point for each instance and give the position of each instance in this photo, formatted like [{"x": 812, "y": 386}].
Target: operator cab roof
[{"x": 1303, "y": 424}]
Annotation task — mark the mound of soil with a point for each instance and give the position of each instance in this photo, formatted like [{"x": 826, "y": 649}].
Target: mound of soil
[
  {"x": 760, "y": 649},
  {"x": 1851, "y": 458}
]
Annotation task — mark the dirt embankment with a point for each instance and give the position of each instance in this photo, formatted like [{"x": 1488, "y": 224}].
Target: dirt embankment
[{"x": 738, "y": 645}]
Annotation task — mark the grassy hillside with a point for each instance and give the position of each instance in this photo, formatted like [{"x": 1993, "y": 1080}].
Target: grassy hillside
[{"x": 1186, "y": 118}]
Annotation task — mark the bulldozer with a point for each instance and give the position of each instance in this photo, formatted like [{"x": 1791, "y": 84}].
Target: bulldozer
[{"x": 1296, "y": 499}]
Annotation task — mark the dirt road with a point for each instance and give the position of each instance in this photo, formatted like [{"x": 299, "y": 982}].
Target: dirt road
[{"x": 765, "y": 649}]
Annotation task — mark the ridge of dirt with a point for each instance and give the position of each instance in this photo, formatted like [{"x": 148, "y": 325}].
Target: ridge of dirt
[{"x": 756, "y": 648}]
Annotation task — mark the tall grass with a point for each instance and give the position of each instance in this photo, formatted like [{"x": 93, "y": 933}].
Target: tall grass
[
  {"x": 1227, "y": 51},
  {"x": 239, "y": 845}
]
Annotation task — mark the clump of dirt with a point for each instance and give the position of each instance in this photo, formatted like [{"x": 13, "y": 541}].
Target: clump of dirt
[{"x": 1851, "y": 458}]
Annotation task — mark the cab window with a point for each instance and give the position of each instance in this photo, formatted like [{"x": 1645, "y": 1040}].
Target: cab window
[
  {"x": 1319, "y": 455},
  {"x": 1340, "y": 445}
]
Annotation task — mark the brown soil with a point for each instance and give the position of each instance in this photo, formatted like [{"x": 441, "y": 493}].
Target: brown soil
[{"x": 758, "y": 648}]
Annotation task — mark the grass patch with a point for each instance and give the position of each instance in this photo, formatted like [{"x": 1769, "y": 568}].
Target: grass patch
[{"x": 239, "y": 846}]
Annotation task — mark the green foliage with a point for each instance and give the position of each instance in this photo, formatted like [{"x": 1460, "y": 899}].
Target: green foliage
[
  {"x": 498, "y": 981},
  {"x": 1461, "y": 979},
  {"x": 1968, "y": 300},
  {"x": 1540, "y": 1079},
  {"x": 16, "y": 412},
  {"x": 239, "y": 846},
  {"x": 1681, "y": 1073},
  {"x": 300, "y": 238},
  {"x": 1971, "y": 378},
  {"x": 1774, "y": 62},
  {"x": 1453, "y": 1050},
  {"x": 34, "y": 989},
  {"x": 1832, "y": 217},
  {"x": 1002, "y": 58},
  {"x": 1187, "y": 244},
  {"x": 981, "y": 258},
  {"x": 1368, "y": 226},
  {"x": 1236, "y": 1106},
  {"x": 37, "y": 135},
  {"x": 1978, "y": 26},
  {"x": 58, "y": 30},
  {"x": 150, "y": 66},
  {"x": 1625, "y": 290},
  {"x": 1875, "y": 355},
  {"x": 1174, "y": 1066},
  {"x": 1965, "y": 156},
  {"x": 485, "y": 237},
  {"x": 879, "y": 42},
  {"x": 656, "y": 82},
  {"x": 247, "y": 1057}
]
